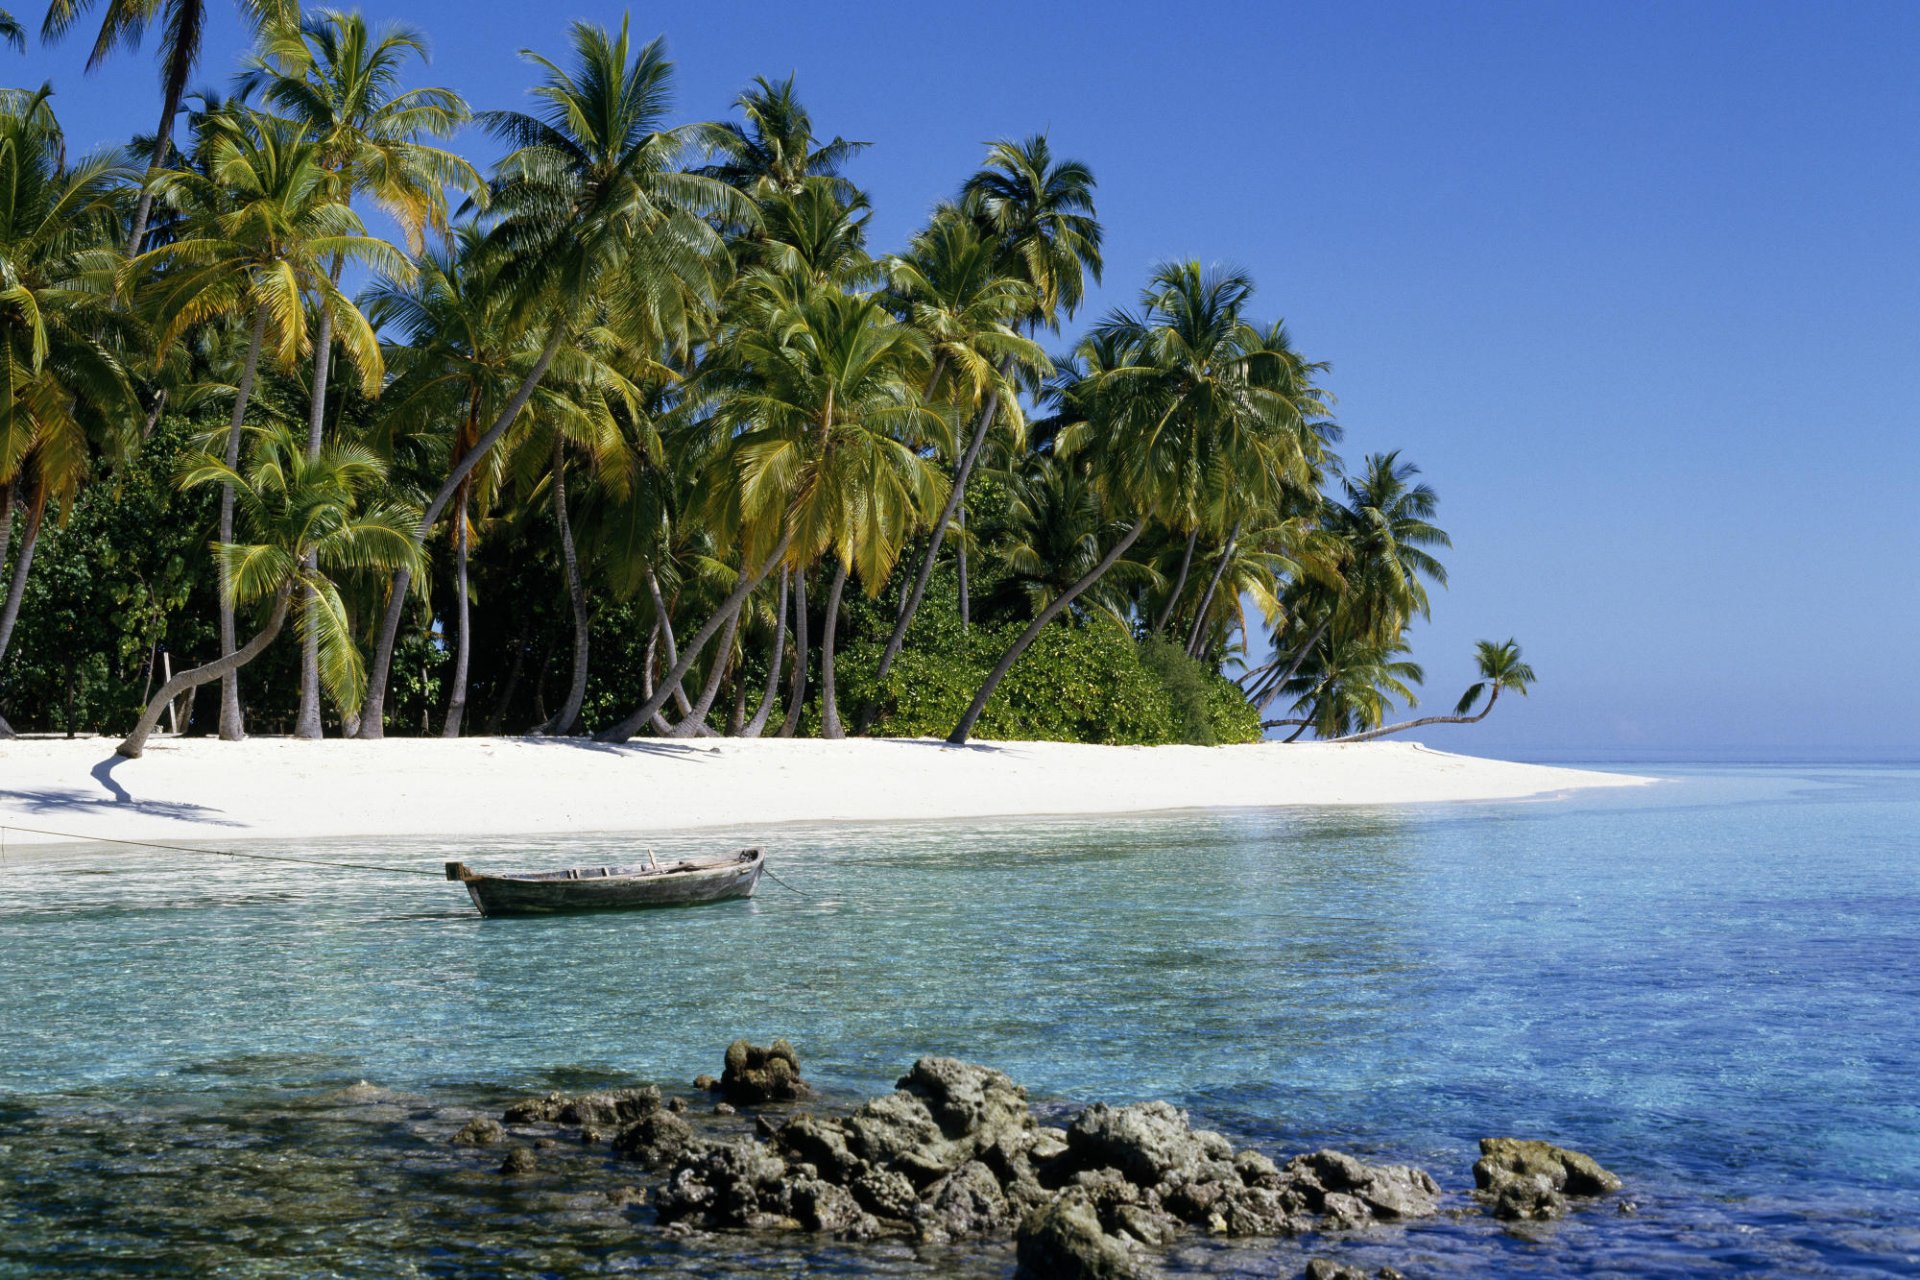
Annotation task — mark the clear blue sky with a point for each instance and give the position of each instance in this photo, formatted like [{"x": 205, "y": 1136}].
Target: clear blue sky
[{"x": 1638, "y": 285}]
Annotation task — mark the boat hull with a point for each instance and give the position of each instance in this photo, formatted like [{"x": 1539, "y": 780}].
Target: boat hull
[{"x": 613, "y": 888}]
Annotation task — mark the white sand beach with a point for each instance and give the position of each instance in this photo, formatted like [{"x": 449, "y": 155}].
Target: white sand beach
[{"x": 271, "y": 788}]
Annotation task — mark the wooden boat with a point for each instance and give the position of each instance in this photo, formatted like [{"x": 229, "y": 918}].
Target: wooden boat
[{"x": 675, "y": 884}]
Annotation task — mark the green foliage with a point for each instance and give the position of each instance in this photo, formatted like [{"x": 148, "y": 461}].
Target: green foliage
[{"x": 1184, "y": 682}]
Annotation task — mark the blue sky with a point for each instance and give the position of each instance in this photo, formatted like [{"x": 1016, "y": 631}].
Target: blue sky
[{"x": 1638, "y": 285}]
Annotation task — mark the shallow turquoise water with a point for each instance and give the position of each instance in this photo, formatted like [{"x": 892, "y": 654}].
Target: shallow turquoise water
[{"x": 1712, "y": 985}]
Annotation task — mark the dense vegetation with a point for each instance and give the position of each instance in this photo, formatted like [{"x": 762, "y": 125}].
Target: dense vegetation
[{"x": 636, "y": 433}]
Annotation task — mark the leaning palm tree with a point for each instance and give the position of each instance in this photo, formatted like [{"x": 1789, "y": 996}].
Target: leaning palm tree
[
  {"x": 1172, "y": 402},
  {"x": 1500, "y": 668},
  {"x": 183, "y": 25},
  {"x": 826, "y": 432},
  {"x": 593, "y": 222},
  {"x": 65, "y": 396},
  {"x": 308, "y": 525},
  {"x": 264, "y": 223},
  {"x": 339, "y": 81}
]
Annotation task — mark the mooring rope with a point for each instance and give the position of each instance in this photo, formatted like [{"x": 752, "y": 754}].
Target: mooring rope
[
  {"x": 221, "y": 853},
  {"x": 768, "y": 871}
]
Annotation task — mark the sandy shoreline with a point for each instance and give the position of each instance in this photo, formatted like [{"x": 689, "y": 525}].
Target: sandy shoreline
[{"x": 271, "y": 788}]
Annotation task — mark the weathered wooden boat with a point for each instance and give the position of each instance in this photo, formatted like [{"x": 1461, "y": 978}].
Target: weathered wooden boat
[{"x": 658, "y": 884}]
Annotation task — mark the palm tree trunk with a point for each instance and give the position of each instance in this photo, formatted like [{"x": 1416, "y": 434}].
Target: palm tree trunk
[
  {"x": 666, "y": 632},
  {"x": 373, "y": 714},
  {"x": 163, "y": 143},
  {"x": 1059, "y": 605},
  {"x": 956, "y": 497},
  {"x": 1273, "y": 687},
  {"x": 728, "y": 611},
  {"x": 758, "y": 724},
  {"x": 576, "y": 595},
  {"x": 960, "y": 562},
  {"x": 829, "y": 704},
  {"x": 1206, "y": 599},
  {"x": 791, "y": 724},
  {"x": 136, "y": 742},
  {"x": 232, "y": 726},
  {"x": 1368, "y": 735},
  {"x": 457, "y": 697},
  {"x": 1179, "y": 585},
  {"x": 696, "y": 722},
  {"x": 659, "y": 722},
  {"x": 307, "y": 723},
  {"x": 17, "y": 585}
]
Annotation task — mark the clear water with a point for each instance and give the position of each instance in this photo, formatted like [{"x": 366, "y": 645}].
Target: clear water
[{"x": 1712, "y": 985}]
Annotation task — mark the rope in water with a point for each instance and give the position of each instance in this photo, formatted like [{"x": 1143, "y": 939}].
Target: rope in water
[
  {"x": 222, "y": 853},
  {"x": 768, "y": 871}
]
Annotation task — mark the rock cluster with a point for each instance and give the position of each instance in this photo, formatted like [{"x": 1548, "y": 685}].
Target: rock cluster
[
  {"x": 1328, "y": 1269},
  {"x": 956, "y": 1152},
  {"x": 1522, "y": 1180}
]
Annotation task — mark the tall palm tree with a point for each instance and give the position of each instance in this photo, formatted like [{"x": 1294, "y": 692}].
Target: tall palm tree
[
  {"x": 1347, "y": 684},
  {"x": 307, "y": 522},
  {"x": 265, "y": 221},
  {"x": 183, "y": 26},
  {"x": 339, "y": 81},
  {"x": 65, "y": 396},
  {"x": 593, "y": 220},
  {"x": 826, "y": 428},
  {"x": 951, "y": 285},
  {"x": 775, "y": 151},
  {"x": 1500, "y": 668},
  {"x": 1173, "y": 402}
]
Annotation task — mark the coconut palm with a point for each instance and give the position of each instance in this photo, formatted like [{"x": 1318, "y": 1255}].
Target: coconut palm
[
  {"x": 65, "y": 396},
  {"x": 594, "y": 222},
  {"x": 825, "y": 425},
  {"x": 339, "y": 81},
  {"x": 1172, "y": 403},
  {"x": 1348, "y": 684},
  {"x": 183, "y": 26},
  {"x": 265, "y": 221},
  {"x": 774, "y": 152},
  {"x": 307, "y": 522},
  {"x": 1500, "y": 668},
  {"x": 12, "y": 32}
]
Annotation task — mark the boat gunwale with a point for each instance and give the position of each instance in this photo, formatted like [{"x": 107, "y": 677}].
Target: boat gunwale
[{"x": 737, "y": 861}]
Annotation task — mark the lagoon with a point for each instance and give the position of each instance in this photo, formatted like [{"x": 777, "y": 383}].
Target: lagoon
[{"x": 1710, "y": 985}]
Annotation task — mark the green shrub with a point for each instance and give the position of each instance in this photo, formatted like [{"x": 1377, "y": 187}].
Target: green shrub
[{"x": 1184, "y": 682}]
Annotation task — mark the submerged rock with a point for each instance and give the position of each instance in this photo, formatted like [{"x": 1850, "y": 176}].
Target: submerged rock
[
  {"x": 519, "y": 1161},
  {"x": 1328, "y": 1269},
  {"x": 754, "y": 1075},
  {"x": 1525, "y": 1180},
  {"x": 481, "y": 1131},
  {"x": 609, "y": 1109}
]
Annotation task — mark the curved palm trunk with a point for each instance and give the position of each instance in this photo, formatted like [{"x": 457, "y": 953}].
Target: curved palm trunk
[
  {"x": 576, "y": 594},
  {"x": 17, "y": 585},
  {"x": 1272, "y": 688},
  {"x": 373, "y": 714},
  {"x": 1179, "y": 585},
  {"x": 728, "y": 611},
  {"x": 956, "y": 497},
  {"x": 232, "y": 725},
  {"x": 666, "y": 633},
  {"x": 659, "y": 722},
  {"x": 695, "y": 725},
  {"x": 960, "y": 731},
  {"x": 960, "y": 563},
  {"x": 457, "y": 698},
  {"x": 1369, "y": 735},
  {"x": 791, "y": 725},
  {"x": 758, "y": 724},
  {"x": 307, "y": 723},
  {"x": 136, "y": 742},
  {"x": 1206, "y": 599},
  {"x": 829, "y": 704},
  {"x": 175, "y": 80}
]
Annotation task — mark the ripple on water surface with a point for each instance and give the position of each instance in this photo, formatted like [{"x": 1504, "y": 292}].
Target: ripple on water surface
[{"x": 1711, "y": 985}]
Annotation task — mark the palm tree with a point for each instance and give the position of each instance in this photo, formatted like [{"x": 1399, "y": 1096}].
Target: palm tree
[
  {"x": 65, "y": 397},
  {"x": 265, "y": 221},
  {"x": 1171, "y": 403},
  {"x": 952, "y": 286},
  {"x": 593, "y": 220},
  {"x": 340, "y": 83},
  {"x": 774, "y": 151},
  {"x": 307, "y": 524},
  {"x": 1500, "y": 668},
  {"x": 825, "y": 428},
  {"x": 1348, "y": 684},
  {"x": 183, "y": 25},
  {"x": 12, "y": 32}
]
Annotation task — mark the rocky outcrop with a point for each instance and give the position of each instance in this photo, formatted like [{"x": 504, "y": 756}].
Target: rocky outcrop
[
  {"x": 1328, "y": 1269},
  {"x": 755, "y": 1076},
  {"x": 1524, "y": 1180},
  {"x": 956, "y": 1152},
  {"x": 481, "y": 1131}
]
